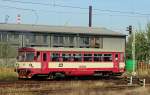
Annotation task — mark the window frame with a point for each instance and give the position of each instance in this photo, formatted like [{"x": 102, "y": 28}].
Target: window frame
[{"x": 58, "y": 58}]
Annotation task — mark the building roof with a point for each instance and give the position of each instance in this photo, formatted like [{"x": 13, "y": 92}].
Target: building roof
[{"x": 58, "y": 29}]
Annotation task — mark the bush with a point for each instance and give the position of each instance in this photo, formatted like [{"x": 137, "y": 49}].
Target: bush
[{"x": 7, "y": 74}]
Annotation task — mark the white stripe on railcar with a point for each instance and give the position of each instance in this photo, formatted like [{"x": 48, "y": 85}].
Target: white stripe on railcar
[
  {"x": 28, "y": 64},
  {"x": 80, "y": 65}
]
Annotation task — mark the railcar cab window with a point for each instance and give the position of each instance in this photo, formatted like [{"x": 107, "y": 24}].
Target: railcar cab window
[
  {"x": 26, "y": 56},
  {"x": 55, "y": 57}
]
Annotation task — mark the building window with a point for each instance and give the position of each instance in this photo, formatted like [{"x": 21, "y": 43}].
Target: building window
[
  {"x": 96, "y": 42},
  {"x": 4, "y": 37},
  {"x": 45, "y": 38},
  {"x": 71, "y": 40},
  {"x": 33, "y": 38},
  {"x": 30, "y": 38},
  {"x": 61, "y": 40},
  {"x": 0, "y": 37},
  {"x": 12, "y": 36},
  {"x": 84, "y": 41},
  {"x": 16, "y": 36},
  {"x": 55, "y": 40}
]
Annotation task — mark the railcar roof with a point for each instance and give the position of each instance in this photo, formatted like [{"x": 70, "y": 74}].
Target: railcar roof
[
  {"x": 58, "y": 29},
  {"x": 74, "y": 49}
]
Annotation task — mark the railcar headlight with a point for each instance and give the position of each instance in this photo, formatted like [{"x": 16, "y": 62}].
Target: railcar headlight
[{"x": 17, "y": 65}]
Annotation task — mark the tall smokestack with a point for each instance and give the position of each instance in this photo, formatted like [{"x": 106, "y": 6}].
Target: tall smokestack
[{"x": 90, "y": 16}]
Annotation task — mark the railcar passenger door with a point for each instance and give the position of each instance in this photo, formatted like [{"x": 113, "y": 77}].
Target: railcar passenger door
[
  {"x": 45, "y": 60},
  {"x": 116, "y": 60}
]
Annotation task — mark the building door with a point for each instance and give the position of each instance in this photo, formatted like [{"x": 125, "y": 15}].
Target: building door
[{"x": 45, "y": 60}]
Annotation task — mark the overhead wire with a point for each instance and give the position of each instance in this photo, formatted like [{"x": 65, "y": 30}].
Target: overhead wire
[
  {"x": 45, "y": 4},
  {"x": 25, "y": 9},
  {"x": 67, "y": 6},
  {"x": 66, "y": 12},
  {"x": 35, "y": 11}
]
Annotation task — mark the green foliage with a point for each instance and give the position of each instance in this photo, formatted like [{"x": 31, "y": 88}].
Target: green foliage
[
  {"x": 7, "y": 74},
  {"x": 7, "y": 51},
  {"x": 142, "y": 45},
  {"x": 7, "y": 55}
]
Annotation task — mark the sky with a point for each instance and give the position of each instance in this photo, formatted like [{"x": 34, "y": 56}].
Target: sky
[{"x": 112, "y": 14}]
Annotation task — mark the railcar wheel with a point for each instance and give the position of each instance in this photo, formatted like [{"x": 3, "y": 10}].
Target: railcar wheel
[{"x": 51, "y": 76}]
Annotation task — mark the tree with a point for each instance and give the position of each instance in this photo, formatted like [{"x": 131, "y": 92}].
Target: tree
[
  {"x": 142, "y": 45},
  {"x": 148, "y": 40},
  {"x": 141, "y": 48},
  {"x": 7, "y": 52}
]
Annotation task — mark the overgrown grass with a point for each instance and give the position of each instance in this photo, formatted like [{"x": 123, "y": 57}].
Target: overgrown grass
[
  {"x": 75, "y": 88},
  {"x": 7, "y": 74},
  {"x": 143, "y": 73}
]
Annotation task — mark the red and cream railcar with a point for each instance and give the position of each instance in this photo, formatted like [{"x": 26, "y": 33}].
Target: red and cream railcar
[{"x": 68, "y": 61}]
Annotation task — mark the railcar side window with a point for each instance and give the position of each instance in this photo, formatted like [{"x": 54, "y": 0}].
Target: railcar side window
[
  {"x": 55, "y": 57},
  {"x": 121, "y": 57},
  {"x": 98, "y": 57},
  {"x": 87, "y": 57},
  {"x": 38, "y": 56},
  {"x": 116, "y": 56},
  {"x": 77, "y": 57},
  {"x": 44, "y": 57},
  {"x": 108, "y": 57},
  {"x": 66, "y": 57}
]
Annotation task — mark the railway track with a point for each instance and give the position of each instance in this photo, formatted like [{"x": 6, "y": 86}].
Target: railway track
[
  {"x": 66, "y": 90},
  {"x": 37, "y": 83},
  {"x": 66, "y": 86}
]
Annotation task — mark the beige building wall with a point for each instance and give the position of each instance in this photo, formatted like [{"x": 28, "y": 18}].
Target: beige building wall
[{"x": 114, "y": 44}]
